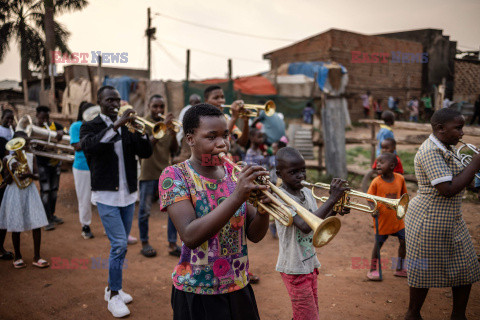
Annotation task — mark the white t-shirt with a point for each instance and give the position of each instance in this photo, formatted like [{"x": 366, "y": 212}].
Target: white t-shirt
[{"x": 297, "y": 254}]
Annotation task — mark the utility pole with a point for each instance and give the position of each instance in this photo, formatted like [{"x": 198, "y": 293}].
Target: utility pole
[
  {"x": 50, "y": 43},
  {"x": 187, "y": 76},
  {"x": 150, "y": 33}
]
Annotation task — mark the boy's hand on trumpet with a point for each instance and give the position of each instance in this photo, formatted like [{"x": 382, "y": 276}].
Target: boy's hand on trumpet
[{"x": 338, "y": 187}]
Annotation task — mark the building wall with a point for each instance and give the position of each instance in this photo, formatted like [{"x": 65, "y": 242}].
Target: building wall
[
  {"x": 402, "y": 80},
  {"x": 467, "y": 80}
]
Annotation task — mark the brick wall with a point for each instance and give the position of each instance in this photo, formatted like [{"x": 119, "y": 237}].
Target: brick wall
[
  {"x": 467, "y": 80},
  {"x": 402, "y": 80}
]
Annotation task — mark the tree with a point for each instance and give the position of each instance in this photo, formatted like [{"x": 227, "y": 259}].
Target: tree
[{"x": 23, "y": 21}]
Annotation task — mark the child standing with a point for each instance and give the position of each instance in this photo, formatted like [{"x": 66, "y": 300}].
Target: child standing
[
  {"x": 389, "y": 145},
  {"x": 385, "y": 129},
  {"x": 22, "y": 210},
  {"x": 210, "y": 212},
  {"x": 254, "y": 154},
  {"x": 297, "y": 259},
  {"x": 388, "y": 185}
]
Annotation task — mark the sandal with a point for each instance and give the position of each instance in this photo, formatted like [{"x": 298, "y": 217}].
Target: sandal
[
  {"x": 6, "y": 255},
  {"x": 148, "y": 251},
  {"x": 175, "y": 252},
  {"x": 41, "y": 263},
  {"x": 401, "y": 273},
  {"x": 253, "y": 278},
  {"x": 19, "y": 264},
  {"x": 373, "y": 275}
]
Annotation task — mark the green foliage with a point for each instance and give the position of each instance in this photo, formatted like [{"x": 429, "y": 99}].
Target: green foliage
[{"x": 361, "y": 157}]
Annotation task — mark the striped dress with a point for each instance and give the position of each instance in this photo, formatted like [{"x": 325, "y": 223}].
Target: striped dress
[{"x": 440, "y": 251}]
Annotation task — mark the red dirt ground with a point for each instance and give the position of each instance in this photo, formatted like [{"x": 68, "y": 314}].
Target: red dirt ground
[{"x": 344, "y": 292}]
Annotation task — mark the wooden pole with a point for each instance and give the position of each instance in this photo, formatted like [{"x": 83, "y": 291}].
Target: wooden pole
[
  {"x": 229, "y": 69},
  {"x": 187, "y": 76},
  {"x": 99, "y": 71},
  {"x": 149, "y": 45}
]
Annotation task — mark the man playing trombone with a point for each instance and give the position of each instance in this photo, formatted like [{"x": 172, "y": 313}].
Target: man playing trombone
[
  {"x": 110, "y": 149},
  {"x": 151, "y": 168}
]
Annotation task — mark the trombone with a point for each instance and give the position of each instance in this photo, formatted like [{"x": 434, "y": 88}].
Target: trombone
[
  {"x": 324, "y": 230},
  {"x": 464, "y": 158},
  {"x": 399, "y": 205},
  {"x": 253, "y": 110}
]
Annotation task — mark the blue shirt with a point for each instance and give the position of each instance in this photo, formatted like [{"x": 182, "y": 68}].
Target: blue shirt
[
  {"x": 80, "y": 162},
  {"x": 274, "y": 127},
  {"x": 384, "y": 133}
]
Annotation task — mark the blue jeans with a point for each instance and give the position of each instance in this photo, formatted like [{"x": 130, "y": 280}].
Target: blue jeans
[
  {"x": 149, "y": 188},
  {"x": 117, "y": 222}
]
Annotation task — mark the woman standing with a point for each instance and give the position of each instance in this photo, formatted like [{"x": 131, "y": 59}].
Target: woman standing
[
  {"x": 440, "y": 252},
  {"x": 81, "y": 174}
]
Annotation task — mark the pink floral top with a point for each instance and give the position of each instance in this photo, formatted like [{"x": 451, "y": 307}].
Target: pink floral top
[{"x": 220, "y": 264}]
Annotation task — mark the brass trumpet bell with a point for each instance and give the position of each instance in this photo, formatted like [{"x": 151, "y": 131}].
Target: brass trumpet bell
[
  {"x": 253, "y": 110},
  {"x": 16, "y": 145},
  {"x": 399, "y": 205},
  {"x": 324, "y": 230}
]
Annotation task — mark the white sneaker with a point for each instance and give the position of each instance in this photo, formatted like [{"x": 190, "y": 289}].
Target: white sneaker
[
  {"x": 117, "y": 307},
  {"x": 125, "y": 296}
]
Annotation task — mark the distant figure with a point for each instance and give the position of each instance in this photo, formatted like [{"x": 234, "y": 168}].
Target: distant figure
[
  {"x": 377, "y": 106},
  {"x": 476, "y": 111},
  {"x": 391, "y": 103},
  {"x": 427, "y": 103},
  {"x": 366, "y": 103},
  {"x": 273, "y": 126},
  {"x": 413, "y": 108},
  {"x": 308, "y": 112},
  {"x": 446, "y": 103},
  {"x": 385, "y": 129}
]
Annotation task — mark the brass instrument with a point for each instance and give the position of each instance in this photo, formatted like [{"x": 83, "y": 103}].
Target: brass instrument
[
  {"x": 175, "y": 125},
  {"x": 139, "y": 124},
  {"x": 253, "y": 110},
  {"x": 26, "y": 124},
  {"x": 63, "y": 152},
  {"x": 324, "y": 230},
  {"x": 399, "y": 205},
  {"x": 464, "y": 158},
  {"x": 16, "y": 145}
]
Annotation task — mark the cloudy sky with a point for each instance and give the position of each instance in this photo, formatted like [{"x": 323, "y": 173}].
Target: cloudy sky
[{"x": 119, "y": 26}]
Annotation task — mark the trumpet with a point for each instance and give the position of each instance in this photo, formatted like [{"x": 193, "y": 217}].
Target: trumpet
[
  {"x": 253, "y": 110},
  {"x": 16, "y": 145},
  {"x": 464, "y": 158},
  {"x": 139, "y": 124},
  {"x": 175, "y": 125},
  {"x": 399, "y": 205},
  {"x": 324, "y": 230}
]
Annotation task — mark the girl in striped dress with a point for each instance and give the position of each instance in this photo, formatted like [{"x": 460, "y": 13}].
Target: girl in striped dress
[{"x": 440, "y": 252}]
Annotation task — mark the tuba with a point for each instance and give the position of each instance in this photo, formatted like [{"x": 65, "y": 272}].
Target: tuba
[
  {"x": 253, "y": 110},
  {"x": 16, "y": 145},
  {"x": 324, "y": 230},
  {"x": 399, "y": 205}
]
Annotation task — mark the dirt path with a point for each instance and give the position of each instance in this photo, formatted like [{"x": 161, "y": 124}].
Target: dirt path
[{"x": 75, "y": 291}]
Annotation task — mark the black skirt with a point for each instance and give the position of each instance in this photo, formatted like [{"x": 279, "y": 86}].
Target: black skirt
[{"x": 237, "y": 305}]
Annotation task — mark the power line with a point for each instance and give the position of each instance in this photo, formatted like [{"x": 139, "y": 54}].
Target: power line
[
  {"x": 209, "y": 52},
  {"x": 224, "y": 30},
  {"x": 176, "y": 61}
]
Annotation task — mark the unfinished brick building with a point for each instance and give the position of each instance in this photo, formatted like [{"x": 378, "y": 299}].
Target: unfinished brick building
[
  {"x": 382, "y": 77},
  {"x": 467, "y": 80}
]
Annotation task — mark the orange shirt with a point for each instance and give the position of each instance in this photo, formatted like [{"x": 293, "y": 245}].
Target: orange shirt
[{"x": 387, "y": 218}]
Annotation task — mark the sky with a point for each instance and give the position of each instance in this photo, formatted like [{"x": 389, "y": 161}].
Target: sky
[{"x": 118, "y": 26}]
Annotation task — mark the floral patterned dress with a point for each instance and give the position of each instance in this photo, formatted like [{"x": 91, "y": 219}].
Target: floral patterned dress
[{"x": 220, "y": 264}]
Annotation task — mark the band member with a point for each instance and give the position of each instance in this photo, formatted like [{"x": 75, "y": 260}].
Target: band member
[
  {"x": 81, "y": 174},
  {"x": 440, "y": 251},
  {"x": 49, "y": 170},
  {"x": 151, "y": 169},
  {"x": 214, "y": 221},
  {"x": 110, "y": 149},
  {"x": 6, "y": 129}
]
